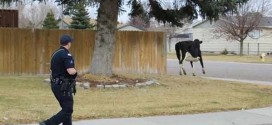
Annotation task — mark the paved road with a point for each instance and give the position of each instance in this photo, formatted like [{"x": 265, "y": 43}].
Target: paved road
[{"x": 227, "y": 70}]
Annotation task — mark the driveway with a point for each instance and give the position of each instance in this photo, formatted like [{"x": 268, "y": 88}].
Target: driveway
[{"x": 227, "y": 70}]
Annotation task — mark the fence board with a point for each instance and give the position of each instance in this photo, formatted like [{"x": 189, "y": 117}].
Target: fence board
[{"x": 27, "y": 51}]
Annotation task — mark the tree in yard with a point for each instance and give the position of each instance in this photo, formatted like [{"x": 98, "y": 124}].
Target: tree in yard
[
  {"x": 139, "y": 21},
  {"x": 142, "y": 19},
  {"x": 26, "y": 9},
  {"x": 36, "y": 13},
  {"x": 102, "y": 58},
  {"x": 50, "y": 22},
  {"x": 237, "y": 25},
  {"x": 80, "y": 18}
]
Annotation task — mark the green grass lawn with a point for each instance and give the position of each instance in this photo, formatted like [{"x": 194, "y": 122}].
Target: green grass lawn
[
  {"x": 230, "y": 58},
  {"x": 27, "y": 99}
]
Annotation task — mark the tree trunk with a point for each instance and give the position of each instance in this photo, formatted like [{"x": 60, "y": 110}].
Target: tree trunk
[
  {"x": 241, "y": 47},
  {"x": 102, "y": 59}
]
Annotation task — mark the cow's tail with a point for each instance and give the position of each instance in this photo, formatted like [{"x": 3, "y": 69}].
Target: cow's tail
[{"x": 177, "y": 48}]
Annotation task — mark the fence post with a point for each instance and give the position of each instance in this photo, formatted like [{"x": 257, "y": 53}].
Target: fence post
[
  {"x": 258, "y": 48},
  {"x": 247, "y": 48},
  {"x": 169, "y": 43}
]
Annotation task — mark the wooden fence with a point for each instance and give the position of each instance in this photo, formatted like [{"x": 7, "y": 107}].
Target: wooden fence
[{"x": 26, "y": 51}]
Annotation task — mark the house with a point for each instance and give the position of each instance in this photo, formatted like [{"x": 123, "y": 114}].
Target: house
[
  {"x": 63, "y": 24},
  {"x": 258, "y": 41},
  {"x": 8, "y": 18},
  {"x": 177, "y": 35}
]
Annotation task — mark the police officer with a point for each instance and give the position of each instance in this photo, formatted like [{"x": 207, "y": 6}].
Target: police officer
[{"x": 62, "y": 69}]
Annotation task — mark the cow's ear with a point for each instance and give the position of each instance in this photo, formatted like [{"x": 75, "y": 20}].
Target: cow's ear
[
  {"x": 196, "y": 40},
  {"x": 200, "y": 42}
]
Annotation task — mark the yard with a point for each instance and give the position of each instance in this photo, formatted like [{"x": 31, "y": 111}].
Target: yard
[{"x": 27, "y": 99}]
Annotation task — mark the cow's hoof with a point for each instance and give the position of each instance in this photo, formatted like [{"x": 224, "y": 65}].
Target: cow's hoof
[
  {"x": 194, "y": 74},
  {"x": 184, "y": 72},
  {"x": 203, "y": 72},
  {"x": 180, "y": 73}
]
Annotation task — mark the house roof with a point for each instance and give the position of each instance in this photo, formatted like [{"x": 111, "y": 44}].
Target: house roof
[
  {"x": 199, "y": 23},
  {"x": 185, "y": 35},
  {"x": 128, "y": 25},
  {"x": 68, "y": 20},
  {"x": 266, "y": 22}
]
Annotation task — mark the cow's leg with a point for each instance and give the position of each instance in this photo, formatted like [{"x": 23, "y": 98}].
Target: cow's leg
[
  {"x": 193, "y": 68},
  {"x": 202, "y": 65},
  {"x": 178, "y": 50},
  {"x": 182, "y": 70}
]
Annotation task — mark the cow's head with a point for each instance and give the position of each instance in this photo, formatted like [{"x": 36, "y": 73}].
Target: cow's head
[{"x": 197, "y": 41}]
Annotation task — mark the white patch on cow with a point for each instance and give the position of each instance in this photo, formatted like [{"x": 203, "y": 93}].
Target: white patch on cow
[
  {"x": 189, "y": 58},
  {"x": 193, "y": 69},
  {"x": 69, "y": 54},
  {"x": 71, "y": 61}
]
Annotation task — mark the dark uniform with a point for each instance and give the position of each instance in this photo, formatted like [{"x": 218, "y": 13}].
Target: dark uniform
[{"x": 62, "y": 60}]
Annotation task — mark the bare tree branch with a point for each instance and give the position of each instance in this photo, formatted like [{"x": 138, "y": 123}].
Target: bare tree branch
[{"x": 237, "y": 25}]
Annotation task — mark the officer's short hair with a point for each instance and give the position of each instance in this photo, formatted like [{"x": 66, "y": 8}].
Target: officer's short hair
[{"x": 65, "y": 39}]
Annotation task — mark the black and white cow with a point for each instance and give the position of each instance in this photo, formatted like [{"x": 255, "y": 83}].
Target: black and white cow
[{"x": 191, "y": 52}]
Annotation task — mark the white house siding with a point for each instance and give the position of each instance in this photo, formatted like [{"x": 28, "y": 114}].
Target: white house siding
[
  {"x": 63, "y": 26},
  {"x": 171, "y": 43},
  {"x": 210, "y": 43}
]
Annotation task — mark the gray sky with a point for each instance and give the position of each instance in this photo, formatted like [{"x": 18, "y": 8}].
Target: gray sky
[
  {"x": 121, "y": 18},
  {"x": 124, "y": 16}
]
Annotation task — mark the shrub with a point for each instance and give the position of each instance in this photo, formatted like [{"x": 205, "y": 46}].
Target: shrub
[
  {"x": 233, "y": 53},
  {"x": 224, "y": 52}
]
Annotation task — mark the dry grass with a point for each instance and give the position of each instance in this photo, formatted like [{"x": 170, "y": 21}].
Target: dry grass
[
  {"x": 230, "y": 58},
  {"x": 28, "y": 99}
]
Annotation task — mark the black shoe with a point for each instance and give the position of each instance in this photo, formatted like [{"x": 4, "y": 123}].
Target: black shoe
[{"x": 42, "y": 123}]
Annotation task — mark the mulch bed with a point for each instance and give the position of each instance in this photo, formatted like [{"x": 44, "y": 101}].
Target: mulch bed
[{"x": 104, "y": 80}]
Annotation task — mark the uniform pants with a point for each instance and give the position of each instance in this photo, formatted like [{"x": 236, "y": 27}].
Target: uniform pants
[{"x": 66, "y": 102}]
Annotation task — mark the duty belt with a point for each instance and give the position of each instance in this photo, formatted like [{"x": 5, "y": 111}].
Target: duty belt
[
  {"x": 56, "y": 80},
  {"x": 66, "y": 84}
]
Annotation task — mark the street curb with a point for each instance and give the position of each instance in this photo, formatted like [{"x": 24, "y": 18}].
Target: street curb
[{"x": 240, "y": 80}]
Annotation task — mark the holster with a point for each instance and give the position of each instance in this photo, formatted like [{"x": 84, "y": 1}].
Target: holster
[
  {"x": 64, "y": 85},
  {"x": 73, "y": 86},
  {"x": 68, "y": 84}
]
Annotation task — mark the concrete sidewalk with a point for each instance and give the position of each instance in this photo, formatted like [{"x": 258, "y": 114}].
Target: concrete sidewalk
[{"x": 261, "y": 116}]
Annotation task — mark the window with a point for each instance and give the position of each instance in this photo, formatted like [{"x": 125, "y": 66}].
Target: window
[{"x": 254, "y": 34}]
